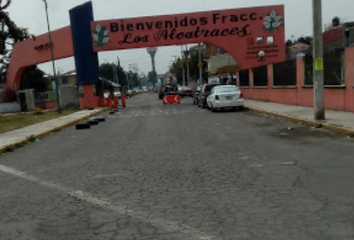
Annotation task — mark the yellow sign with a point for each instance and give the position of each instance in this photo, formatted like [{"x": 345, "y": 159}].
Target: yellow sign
[
  {"x": 200, "y": 64},
  {"x": 318, "y": 64}
]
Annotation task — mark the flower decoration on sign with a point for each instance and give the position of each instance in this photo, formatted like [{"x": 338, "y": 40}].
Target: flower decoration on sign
[
  {"x": 100, "y": 35},
  {"x": 273, "y": 21}
]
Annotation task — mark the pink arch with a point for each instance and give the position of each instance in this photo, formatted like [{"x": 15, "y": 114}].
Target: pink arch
[
  {"x": 243, "y": 49},
  {"x": 36, "y": 51}
]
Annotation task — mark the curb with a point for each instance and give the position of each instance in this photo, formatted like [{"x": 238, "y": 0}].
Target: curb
[
  {"x": 312, "y": 123},
  {"x": 48, "y": 132}
]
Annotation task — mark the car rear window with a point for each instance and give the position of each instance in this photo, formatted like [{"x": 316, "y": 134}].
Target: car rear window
[
  {"x": 209, "y": 87},
  {"x": 227, "y": 89}
]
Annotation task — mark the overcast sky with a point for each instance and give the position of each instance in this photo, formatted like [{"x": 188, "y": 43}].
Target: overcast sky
[{"x": 30, "y": 14}]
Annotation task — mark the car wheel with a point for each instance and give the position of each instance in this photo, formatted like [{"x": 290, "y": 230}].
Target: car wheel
[{"x": 212, "y": 108}]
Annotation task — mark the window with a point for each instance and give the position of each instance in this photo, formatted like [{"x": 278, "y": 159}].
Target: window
[
  {"x": 270, "y": 40},
  {"x": 285, "y": 73},
  {"x": 260, "y": 40},
  {"x": 260, "y": 76},
  {"x": 244, "y": 78},
  {"x": 65, "y": 80},
  {"x": 217, "y": 50},
  {"x": 227, "y": 89}
]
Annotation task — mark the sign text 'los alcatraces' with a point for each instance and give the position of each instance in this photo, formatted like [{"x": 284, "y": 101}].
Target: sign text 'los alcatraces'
[{"x": 167, "y": 29}]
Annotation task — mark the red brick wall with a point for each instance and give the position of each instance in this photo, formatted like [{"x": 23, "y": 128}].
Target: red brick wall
[{"x": 341, "y": 99}]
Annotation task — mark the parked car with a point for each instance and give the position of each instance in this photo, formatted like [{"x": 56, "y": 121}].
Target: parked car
[
  {"x": 118, "y": 94},
  {"x": 129, "y": 93},
  {"x": 196, "y": 94},
  {"x": 167, "y": 89},
  {"x": 205, "y": 92},
  {"x": 185, "y": 91},
  {"x": 225, "y": 96}
]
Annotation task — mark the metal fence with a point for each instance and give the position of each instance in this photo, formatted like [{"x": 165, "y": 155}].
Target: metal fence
[
  {"x": 333, "y": 70},
  {"x": 244, "y": 76},
  {"x": 333, "y": 63},
  {"x": 308, "y": 70},
  {"x": 284, "y": 73},
  {"x": 260, "y": 76}
]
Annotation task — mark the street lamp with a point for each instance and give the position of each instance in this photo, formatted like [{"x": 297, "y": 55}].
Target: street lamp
[
  {"x": 52, "y": 55},
  {"x": 261, "y": 55}
]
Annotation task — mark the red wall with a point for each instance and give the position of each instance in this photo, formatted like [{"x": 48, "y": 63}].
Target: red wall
[
  {"x": 341, "y": 99},
  {"x": 51, "y": 105},
  {"x": 89, "y": 100}
]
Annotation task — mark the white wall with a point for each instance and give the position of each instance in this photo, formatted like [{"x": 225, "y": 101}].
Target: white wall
[{"x": 11, "y": 107}]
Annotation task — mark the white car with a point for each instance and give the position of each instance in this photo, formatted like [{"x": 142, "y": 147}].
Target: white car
[{"x": 225, "y": 96}]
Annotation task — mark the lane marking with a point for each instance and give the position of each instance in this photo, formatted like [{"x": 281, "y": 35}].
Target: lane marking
[{"x": 169, "y": 226}]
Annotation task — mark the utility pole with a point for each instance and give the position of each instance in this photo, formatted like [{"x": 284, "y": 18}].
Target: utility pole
[
  {"x": 200, "y": 64},
  {"x": 183, "y": 70},
  {"x": 135, "y": 69},
  {"x": 188, "y": 73},
  {"x": 318, "y": 75},
  {"x": 52, "y": 55}
]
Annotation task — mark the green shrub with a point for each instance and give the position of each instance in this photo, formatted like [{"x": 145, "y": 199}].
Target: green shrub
[
  {"x": 38, "y": 111},
  {"x": 9, "y": 148},
  {"x": 31, "y": 138}
]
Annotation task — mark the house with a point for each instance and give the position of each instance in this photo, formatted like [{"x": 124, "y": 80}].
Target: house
[
  {"x": 338, "y": 36},
  {"x": 67, "y": 78},
  {"x": 220, "y": 63},
  {"x": 195, "y": 50},
  {"x": 298, "y": 48}
]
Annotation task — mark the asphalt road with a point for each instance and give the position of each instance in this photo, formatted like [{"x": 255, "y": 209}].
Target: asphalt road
[{"x": 180, "y": 172}]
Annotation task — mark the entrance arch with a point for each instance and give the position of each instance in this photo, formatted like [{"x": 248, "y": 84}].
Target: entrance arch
[{"x": 243, "y": 33}]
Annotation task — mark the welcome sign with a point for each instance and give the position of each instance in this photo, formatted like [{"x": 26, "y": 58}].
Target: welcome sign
[{"x": 241, "y": 32}]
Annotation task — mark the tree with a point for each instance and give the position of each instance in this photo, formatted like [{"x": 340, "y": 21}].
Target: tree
[
  {"x": 10, "y": 34},
  {"x": 34, "y": 78},
  {"x": 106, "y": 71},
  {"x": 178, "y": 65},
  {"x": 152, "y": 76},
  {"x": 289, "y": 43},
  {"x": 176, "y": 69},
  {"x": 133, "y": 79}
]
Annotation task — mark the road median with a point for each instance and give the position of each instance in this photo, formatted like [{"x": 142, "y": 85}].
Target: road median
[{"x": 9, "y": 141}]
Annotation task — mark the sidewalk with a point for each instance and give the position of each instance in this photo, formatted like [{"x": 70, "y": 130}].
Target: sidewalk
[
  {"x": 42, "y": 129},
  {"x": 336, "y": 121}
]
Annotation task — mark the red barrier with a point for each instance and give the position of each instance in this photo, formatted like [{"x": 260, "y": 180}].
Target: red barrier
[
  {"x": 173, "y": 99},
  {"x": 123, "y": 101},
  {"x": 107, "y": 102}
]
